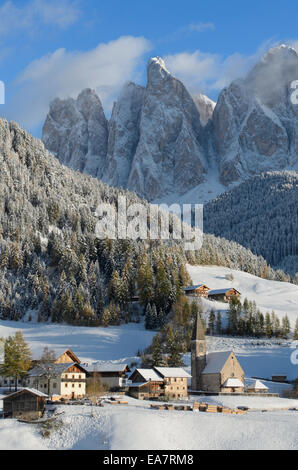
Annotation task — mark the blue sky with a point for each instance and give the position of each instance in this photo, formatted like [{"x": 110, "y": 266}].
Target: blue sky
[{"x": 58, "y": 47}]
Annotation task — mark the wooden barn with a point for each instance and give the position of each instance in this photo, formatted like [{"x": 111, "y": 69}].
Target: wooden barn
[
  {"x": 199, "y": 290},
  {"x": 28, "y": 404},
  {"x": 146, "y": 384},
  {"x": 223, "y": 295}
]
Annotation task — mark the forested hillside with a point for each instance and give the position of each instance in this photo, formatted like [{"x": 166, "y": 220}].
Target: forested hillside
[
  {"x": 53, "y": 267},
  {"x": 262, "y": 215}
]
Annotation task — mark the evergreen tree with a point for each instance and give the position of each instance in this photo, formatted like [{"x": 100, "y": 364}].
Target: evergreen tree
[
  {"x": 211, "y": 322},
  {"x": 296, "y": 330}
]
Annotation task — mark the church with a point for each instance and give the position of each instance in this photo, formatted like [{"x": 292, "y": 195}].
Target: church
[{"x": 216, "y": 371}]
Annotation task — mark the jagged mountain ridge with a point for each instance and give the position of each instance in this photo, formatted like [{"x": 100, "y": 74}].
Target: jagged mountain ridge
[{"x": 162, "y": 143}]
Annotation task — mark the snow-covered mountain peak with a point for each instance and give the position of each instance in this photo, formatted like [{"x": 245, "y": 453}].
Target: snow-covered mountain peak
[{"x": 156, "y": 71}]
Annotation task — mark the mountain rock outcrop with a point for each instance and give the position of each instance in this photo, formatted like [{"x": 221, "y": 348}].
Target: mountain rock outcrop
[
  {"x": 169, "y": 156},
  {"x": 76, "y": 132},
  {"x": 161, "y": 142},
  {"x": 255, "y": 122}
]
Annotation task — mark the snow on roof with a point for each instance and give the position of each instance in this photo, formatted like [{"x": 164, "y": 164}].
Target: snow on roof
[
  {"x": 97, "y": 367},
  {"x": 216, "y": 361},
  {"x": 149, "y": 375},
  {"x": 258, "y": 385},
  {"x": 172, "y": 372},
  {"x": 232, "y": 382},
  {"x": 193, "y": 287},
  {"x": 220, "y": 291},
  {"x": 30, "y": 390},
  {"x": 39, "y": 371},
  {"x": 137, "y": 384}
]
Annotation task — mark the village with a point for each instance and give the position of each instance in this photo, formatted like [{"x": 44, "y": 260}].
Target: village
[{"x": 66, "y": 380}]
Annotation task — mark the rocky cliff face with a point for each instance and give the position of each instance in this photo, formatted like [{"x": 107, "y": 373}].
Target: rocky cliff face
[
  {"x": 169, "y": 156},
  {"x": 76, "y": 132},
  {"x": 160, "y": 140},
  {"x": 124, "y": 130},
  {"x": 255, "y": 122},
  {"x": 151, "y": 145}
]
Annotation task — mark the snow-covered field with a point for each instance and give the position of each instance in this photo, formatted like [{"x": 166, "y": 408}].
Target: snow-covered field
[{"x": 135, "y": 426}]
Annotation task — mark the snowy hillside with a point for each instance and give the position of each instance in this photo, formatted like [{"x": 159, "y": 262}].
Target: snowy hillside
[
  {"x": 118, "y": 344},
  {"x": 282, "y": 297}
]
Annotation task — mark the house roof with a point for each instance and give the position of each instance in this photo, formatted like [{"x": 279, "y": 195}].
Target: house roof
[
  {"x": 221, "y": 291},
  {"x": 30, "y": 390},
  {"x": 233, "y": 382},
  {"x": 258, "y": 385},
  {"x": 172, "y": 372},
  {"x": 71, "y": 355},
  {"x": 137, "y": 384},
  {"x": 194, "y": 287},
  {"x": 99, "y": 367},
  {"x": 216, "y": 361},
  {"x": 56, "y": 369},
  {"x": 149, "y": 375}
]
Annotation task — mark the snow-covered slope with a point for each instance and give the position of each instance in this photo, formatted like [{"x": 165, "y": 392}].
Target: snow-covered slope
[
  {"x": 126, "y": 428},
  {"x": 282, "y": 297},
  {"x": 113, "y": 344}
]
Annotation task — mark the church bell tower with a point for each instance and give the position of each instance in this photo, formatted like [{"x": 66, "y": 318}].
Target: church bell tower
[{"x": 198, "y": 353}]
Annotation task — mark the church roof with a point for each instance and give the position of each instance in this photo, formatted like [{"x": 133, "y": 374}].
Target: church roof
[
  {"x": 198, "y": 331},
  {"x": 216, "y": 361}
]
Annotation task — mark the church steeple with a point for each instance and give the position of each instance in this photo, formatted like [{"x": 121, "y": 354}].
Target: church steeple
[
  {"x": 198, "y": 353},
  {"x": 198, "y": 331}
]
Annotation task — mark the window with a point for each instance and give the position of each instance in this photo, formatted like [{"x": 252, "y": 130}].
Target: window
[
  {"x": 72, "y": 385},
  {"x": 80, "y": 385},
  {"x": 73, "y": 376},
  {"x": 66, "y": 376},
  {"x": 66, "y": 385},
  {"x": 80, "y": 376},
  {"x": 54, "y": 385}
]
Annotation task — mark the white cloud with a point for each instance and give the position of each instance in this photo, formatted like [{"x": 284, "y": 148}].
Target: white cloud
[
  {"x": 205, "y": 72},
  {"x": 65, "y": 74},
  {"x": 35, "y": 13}
]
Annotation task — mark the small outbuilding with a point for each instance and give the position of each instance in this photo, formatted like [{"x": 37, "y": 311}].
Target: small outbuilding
[
  {"x": 257, "y": 387},
  {"x": 28, "y": 404}
]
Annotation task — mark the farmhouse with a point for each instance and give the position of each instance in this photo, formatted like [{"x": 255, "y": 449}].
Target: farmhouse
[
  {"x": 199, "y": 290},
  {"x": 66, "y": 380},
  {"x": 216, "y": 371},
  {"x": 27, "y": 404},
  {"x": 159, "y": 381},
  {"x": 146, "y": 384},
  {"x": 114, "y": 375},
  {"x": 175, "y": 381},
  {"x": 223, "y": 295}
]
